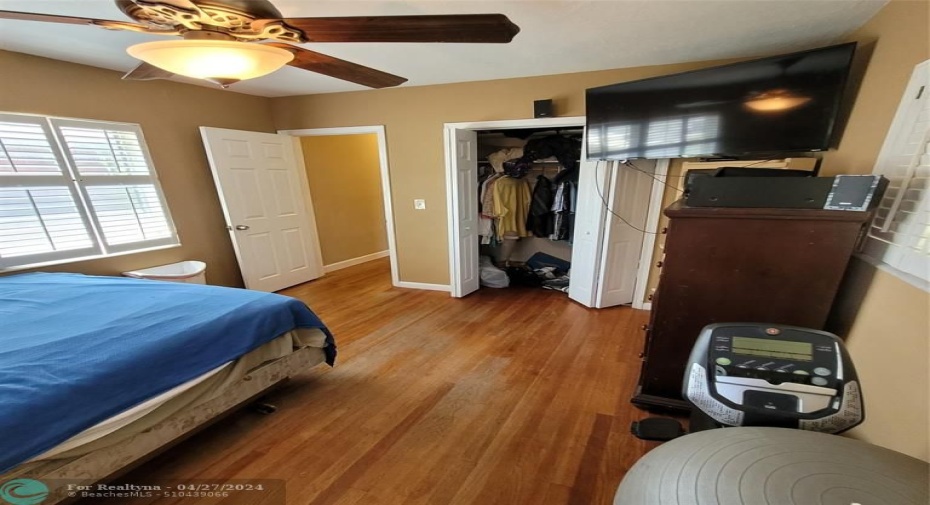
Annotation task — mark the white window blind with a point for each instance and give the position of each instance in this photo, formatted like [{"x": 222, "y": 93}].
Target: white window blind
[
  {"x": 900, "y": 233},
  {"x": 72, "y": 189}
]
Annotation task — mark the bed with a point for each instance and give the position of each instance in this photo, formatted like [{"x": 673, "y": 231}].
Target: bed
[{"x": 99, "y": 373}]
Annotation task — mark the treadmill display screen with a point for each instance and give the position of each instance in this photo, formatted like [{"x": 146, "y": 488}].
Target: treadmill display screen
[{"x": 763, "y": 347}]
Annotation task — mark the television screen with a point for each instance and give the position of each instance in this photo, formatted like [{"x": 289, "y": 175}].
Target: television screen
[{"x": 773, "y": 105}]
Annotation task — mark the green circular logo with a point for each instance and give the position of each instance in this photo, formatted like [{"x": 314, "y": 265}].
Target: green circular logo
[{"x": 24, "y": 492}]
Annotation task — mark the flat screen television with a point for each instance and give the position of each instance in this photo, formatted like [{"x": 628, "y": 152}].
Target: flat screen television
[{"x": 786, "y": 103}]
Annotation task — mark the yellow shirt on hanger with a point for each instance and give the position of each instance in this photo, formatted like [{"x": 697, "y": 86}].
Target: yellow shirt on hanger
[{"x": 512, "y": 199}]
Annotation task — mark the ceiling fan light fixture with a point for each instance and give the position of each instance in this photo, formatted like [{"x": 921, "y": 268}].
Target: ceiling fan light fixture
[{"x": 212, "y": 59}]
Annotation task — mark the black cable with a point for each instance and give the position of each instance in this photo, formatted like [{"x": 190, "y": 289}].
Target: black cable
[
  {"x": 628, "y": 163},
  {"x": 607, "y": 206}
]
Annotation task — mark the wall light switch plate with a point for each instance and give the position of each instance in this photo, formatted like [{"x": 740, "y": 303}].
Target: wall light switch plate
[{"x": 419, "y": 204}]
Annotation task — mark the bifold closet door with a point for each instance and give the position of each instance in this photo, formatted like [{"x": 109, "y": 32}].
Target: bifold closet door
[
  {"x": 628, "y": 199},
  {"x": 588, "y": 238},
  {"x": 462, "y": 147},
  {"x": 613, "y": 201}
]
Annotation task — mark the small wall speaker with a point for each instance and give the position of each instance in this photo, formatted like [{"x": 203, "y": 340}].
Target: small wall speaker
[{"x": 542, "y": 108}]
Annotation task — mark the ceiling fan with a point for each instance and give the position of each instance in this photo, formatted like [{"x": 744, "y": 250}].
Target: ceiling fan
[{"x": 221, "y": 38}]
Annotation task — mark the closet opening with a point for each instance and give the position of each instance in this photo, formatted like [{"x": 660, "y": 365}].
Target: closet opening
[
  {"x": 527, "y": 199},
  {"x": 602, "y": 229}
]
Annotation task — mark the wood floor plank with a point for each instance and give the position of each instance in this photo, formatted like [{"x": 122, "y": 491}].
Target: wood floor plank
[
  {"x": 587, "y": 482},
  {"x": 510, "y": 396},
  {"x": 348, "y": 477}
]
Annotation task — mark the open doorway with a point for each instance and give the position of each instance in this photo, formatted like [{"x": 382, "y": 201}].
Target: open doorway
[{"x": 347, "y": 173}]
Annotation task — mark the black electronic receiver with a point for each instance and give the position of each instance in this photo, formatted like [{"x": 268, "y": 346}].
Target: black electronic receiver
[{"x": 748, "y": 374}]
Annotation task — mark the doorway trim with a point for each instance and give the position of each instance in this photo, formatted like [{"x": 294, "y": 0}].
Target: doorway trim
[
  {"x": 652, "y": 216},
  {"x": 379, "y": 130}
]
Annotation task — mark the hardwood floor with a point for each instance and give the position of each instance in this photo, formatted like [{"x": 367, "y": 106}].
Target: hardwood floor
[{"x": 514, "y": 396}]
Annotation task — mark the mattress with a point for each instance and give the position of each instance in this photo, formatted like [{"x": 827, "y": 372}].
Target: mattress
[
  {"x": 197, "y": 391},
  {"x": 112, "y": 460},
  {"x": 78, "y": 350}
]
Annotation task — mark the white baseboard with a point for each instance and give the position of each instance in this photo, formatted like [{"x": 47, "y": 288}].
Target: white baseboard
[
  {"x": 642, "y": 305},
  {"x": 422, "y": 285},
  {"x": 354, "y": 261}
]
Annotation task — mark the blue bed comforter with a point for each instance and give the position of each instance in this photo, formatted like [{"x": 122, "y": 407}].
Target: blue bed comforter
[{"x": 77, "y": 349}]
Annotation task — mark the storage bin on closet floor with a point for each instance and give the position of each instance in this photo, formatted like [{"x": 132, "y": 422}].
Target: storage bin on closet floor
[{"x": 192, "y": 272}]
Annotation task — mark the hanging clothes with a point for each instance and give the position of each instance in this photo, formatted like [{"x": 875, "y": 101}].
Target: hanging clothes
[
  {"x": 485, "y": 230},
  {"x": 539, "y": 220},
  {"x": 571, "y": 211},
  {"x": 561, "y": 209},
  {"x": 512, "y": 204},
  {"x": 487, "y": 212},
  {"x": 487, "y": 197}
]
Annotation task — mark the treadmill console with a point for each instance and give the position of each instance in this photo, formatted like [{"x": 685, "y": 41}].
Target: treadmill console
[{"x": 747, "y": 374}]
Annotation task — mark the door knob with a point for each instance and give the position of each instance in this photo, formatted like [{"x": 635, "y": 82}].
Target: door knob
[{"x": 242, "y": 227}]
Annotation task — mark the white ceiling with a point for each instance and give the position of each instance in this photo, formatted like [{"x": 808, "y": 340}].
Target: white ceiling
[{"x": 556, "y": 36}]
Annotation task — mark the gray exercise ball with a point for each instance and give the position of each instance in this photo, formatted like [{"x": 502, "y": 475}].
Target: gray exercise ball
[{"x": 773, "y": 466}]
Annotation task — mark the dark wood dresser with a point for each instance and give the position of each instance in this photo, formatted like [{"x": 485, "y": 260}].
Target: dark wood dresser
[{"x": 740, "y": 265}]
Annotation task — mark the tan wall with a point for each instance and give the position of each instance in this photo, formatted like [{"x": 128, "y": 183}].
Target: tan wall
[
  {"x": 169, "y": 114},
  {"x": 414, "y": 119},
  {"x": 886, "y": 324},
  {"x": 885, "y": 320},
  {"x": 344, "y": 172}
]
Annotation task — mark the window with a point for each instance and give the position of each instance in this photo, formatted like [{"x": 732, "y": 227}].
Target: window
[
  {"x": 900, "y": 233},
  {"x": 73, "y": 189}
]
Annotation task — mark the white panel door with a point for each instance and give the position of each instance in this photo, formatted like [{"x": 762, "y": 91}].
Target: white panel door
[
  {"x": 267, "y": 212},
  {"x": 589, "y": 231},
  {"x": 628, "y": 197},
  {"x": 463, "y": 153}
]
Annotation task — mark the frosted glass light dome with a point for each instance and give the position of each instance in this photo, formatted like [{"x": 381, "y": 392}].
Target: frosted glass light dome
[{"x": 212, "y": 59}]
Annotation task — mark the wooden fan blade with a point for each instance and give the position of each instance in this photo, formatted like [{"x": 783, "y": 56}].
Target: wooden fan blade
[
  {"x": 147, "y": 72},
  {"x": 48, "y": 18},
  {"x": 340, "y": 69},
  {"x": 71, "y": 20},
  {"x": 487, "y": 28}
]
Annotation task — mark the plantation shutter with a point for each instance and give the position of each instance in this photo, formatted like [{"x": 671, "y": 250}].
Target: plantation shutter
[
  {"x": 900, "y": 233},
  {"x": 41, "y": 216},
  {"x": 74, "y": 189},
  {"x": 115, "y": 174}
]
